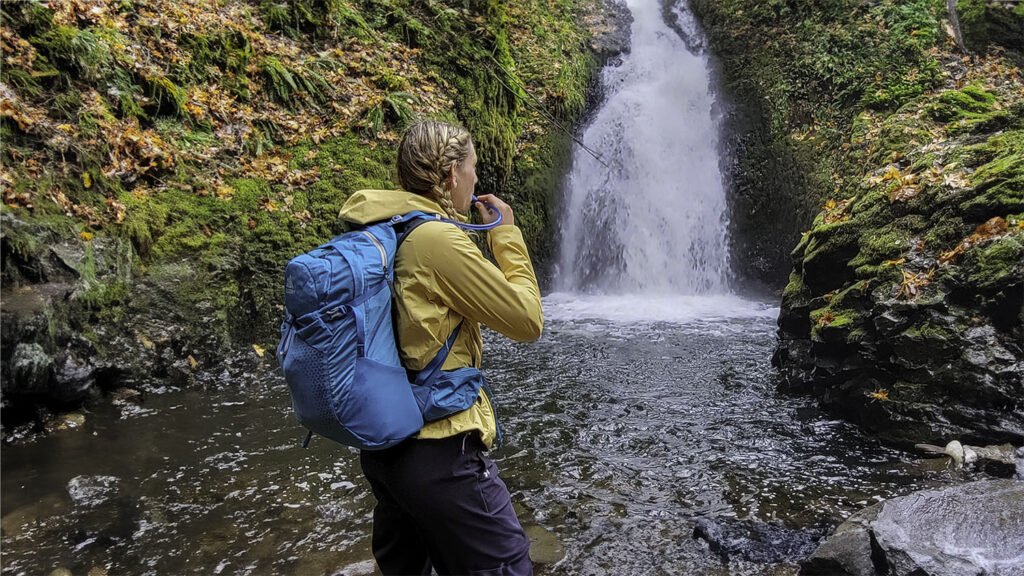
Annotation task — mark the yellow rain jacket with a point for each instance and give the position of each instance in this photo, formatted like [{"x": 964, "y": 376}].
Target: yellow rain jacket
[{"x": 441, "y": 278}]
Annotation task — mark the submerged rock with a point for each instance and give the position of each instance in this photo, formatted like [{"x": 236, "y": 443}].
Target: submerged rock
[
  {"x": 91, "y": 491},
  {"x": 66, "y": 421},
  {"x": 545, "y": 547},
  {"x": 975, "y": 528},
  {"x": 755, "y": 541},
  {"x": 16, "y": 522}
]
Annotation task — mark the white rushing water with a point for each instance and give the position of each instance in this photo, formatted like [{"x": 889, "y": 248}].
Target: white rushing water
[{"x": 653, "y": 223}]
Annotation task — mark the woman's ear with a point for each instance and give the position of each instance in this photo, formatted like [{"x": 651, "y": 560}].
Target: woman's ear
[{"x": 451, "y": 175}]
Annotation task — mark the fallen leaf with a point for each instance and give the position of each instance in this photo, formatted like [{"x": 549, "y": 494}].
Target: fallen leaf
[
  {"x": 192, "y": 362},
  {"x": 260, "y": 351},
  {"x": 826, "y": 319}
]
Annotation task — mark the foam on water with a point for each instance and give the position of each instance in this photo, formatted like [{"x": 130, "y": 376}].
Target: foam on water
[{"x": 629, "y": 309}]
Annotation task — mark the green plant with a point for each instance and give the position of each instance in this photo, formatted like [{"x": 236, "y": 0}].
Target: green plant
[
  {"x": 287, "y": 83},
  {"x": 167, "y": 95},
  {"x": 82, "y": 50}
]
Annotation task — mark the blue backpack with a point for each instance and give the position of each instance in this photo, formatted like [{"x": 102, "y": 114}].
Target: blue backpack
[{"x": 338, "y": 350}]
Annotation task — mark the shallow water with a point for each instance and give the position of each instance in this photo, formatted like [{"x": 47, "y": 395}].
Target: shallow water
[{"x": 620, "y": 433}]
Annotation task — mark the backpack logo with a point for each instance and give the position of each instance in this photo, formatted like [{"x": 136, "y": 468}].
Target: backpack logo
[{"x": 289, "y": 286}]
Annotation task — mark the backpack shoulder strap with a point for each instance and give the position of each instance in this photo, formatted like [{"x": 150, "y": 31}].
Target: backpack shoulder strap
[
  {"x": 407, "y": 229},
  {"x": 404, "y": 225}
]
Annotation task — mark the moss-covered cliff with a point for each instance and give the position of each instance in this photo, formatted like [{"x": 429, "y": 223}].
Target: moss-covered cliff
[
  {"x": 162, "y": 159},
  {"x": 903, "y": 161}
]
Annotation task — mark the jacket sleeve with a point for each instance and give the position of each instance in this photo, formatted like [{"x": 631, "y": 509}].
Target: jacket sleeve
[{"x": 506, "y": 300}]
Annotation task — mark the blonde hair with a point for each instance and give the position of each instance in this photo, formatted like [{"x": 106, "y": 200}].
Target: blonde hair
[{"x": 425, "y": 158}]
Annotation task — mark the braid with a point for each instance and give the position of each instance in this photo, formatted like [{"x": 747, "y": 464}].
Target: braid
[{"x": 425, "y": 157}]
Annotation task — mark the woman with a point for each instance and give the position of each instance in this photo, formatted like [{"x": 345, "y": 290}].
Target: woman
[{"x": 440, "y": 503}]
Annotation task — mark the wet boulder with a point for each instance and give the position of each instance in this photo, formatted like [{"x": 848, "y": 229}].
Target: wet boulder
[
  {"x": 31, "y": 366},
  {"x": 975, "y": 528},
  {"x": 755, "y": 541}
]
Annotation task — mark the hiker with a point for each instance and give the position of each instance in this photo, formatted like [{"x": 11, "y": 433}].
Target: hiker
[{"x": 440, "y": 503}]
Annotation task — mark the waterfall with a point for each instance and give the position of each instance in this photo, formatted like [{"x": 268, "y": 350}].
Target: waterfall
[{"x": 654, "y": 221}]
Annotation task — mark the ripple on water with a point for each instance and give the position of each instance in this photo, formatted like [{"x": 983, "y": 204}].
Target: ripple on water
[
  {"x": 614, "y": 445},
  {"x": 630, "y": 438}
]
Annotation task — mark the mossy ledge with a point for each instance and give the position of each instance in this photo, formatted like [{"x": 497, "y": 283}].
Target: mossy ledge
[
  {"x": 162, "y": 161},
  {"x": 896, "y": 164}
]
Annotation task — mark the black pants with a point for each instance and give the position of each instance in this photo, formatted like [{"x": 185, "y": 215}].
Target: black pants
[{"x": 441, "y": 505}]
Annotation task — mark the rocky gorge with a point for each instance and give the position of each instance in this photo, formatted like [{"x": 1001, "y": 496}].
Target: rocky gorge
[{"x": 161, "y": 161}]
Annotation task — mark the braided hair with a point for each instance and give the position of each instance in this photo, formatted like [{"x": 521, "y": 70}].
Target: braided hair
[{"x": 426, "y": 155}]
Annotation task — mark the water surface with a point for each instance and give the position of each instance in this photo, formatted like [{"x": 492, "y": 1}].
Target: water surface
[{"x": 620, "y": 433}]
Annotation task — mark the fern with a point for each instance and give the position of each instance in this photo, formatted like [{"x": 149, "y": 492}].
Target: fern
[
  {"x": 279, "y": 79},
  {"x": 373, "y": 120},
  {"x": 399, "y": 104}
]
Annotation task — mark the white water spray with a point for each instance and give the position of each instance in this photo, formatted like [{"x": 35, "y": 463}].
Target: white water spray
[{"x": 654, "y": 223}]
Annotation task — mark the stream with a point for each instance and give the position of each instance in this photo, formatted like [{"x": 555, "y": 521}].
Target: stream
[
  {"x": 648, "y": 405},
  {"x": 620, "y": 433}
]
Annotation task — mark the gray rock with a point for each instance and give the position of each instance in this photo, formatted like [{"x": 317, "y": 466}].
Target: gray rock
[
  {"x": 73, "y": 381},
  {"x": 849, "y": 550},
  {"x": 609, "y": 27},
  {"x": 966, "y": 454},
  {"x": 755, "y": 541},
  {"x": 31, "y": 368},
  {"x": 101, "y": 259},
  {"x": 975, "y": 528}
]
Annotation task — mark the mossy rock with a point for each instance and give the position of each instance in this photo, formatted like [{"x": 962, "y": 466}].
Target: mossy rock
[
  {"x": 855, "y": 296},
  {"x": 999, "y": 181},
  {"x": 795, "y": 290},
  {"x": 833, "y": 324},
  {"x": 888, "y": 243},
  {"x": 995, "y": 265},
  {"x": 927, "y": 330},
  {"x": 968, "y": 102},
  {"x": 947, "y": 231},
  {"x": 828, "y": 249},
  {"x": 987, "y": 24}
]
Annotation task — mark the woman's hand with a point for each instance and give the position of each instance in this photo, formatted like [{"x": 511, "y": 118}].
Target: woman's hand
[{"x": 488, "y": 215}]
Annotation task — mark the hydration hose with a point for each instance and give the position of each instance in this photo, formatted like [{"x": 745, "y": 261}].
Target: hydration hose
[{"x": 478, "y": 226}]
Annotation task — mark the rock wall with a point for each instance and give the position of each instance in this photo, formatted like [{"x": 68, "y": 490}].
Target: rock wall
[{"x": 904, "y": 162}]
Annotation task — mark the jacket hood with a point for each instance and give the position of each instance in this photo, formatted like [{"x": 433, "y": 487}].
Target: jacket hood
[{"x": 367, "y": 206}]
